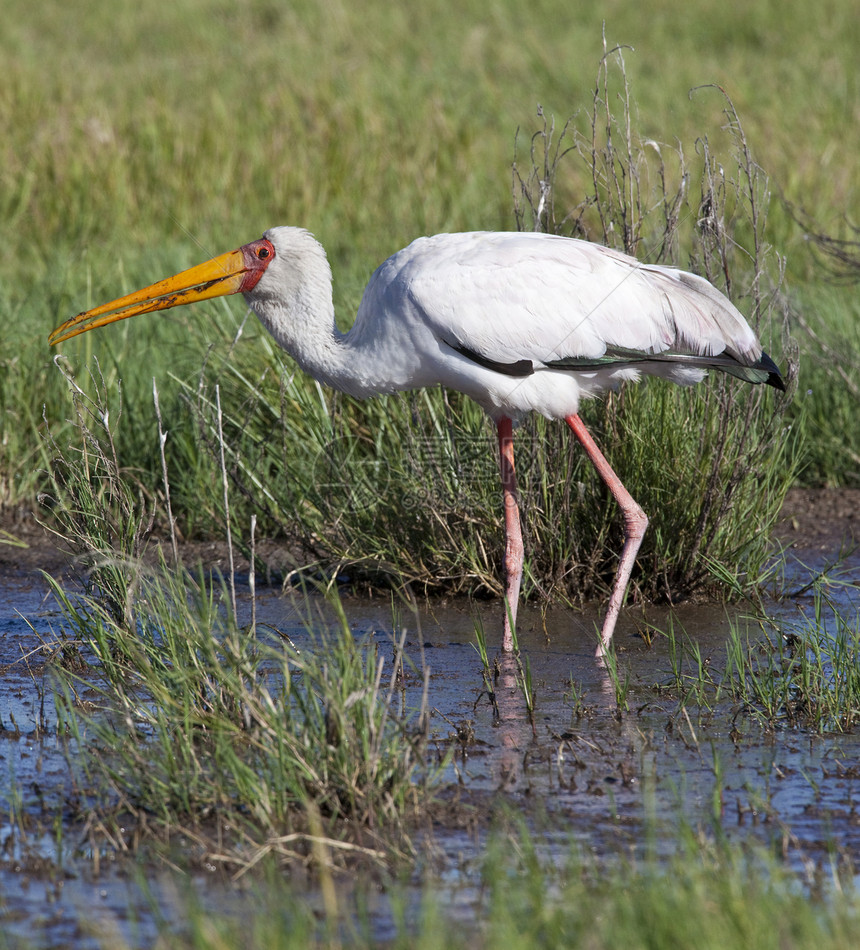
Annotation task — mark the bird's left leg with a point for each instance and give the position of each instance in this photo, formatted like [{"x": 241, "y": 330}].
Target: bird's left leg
[
  {"x": 513, "y": 532},
  {"x": 635, "y": 523}
]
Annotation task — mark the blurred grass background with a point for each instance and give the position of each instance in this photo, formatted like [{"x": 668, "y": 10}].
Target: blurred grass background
[
  {"x": 136, "y": 140},
  {"x": 129, "y": 125}
]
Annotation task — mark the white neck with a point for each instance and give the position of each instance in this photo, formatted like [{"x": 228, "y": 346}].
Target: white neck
[{"x": 293, "y": 300}]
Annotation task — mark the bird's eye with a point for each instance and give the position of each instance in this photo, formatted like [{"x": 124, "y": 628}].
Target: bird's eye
[{"x": 262, "y": 253}]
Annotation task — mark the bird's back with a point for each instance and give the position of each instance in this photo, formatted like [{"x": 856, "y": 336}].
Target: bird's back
[
  {"x": 512, "y": 295},
  {"x": 523, "y": 304}
]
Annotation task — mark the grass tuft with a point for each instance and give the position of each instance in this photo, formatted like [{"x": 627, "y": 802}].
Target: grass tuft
[
  {"x": 717, "y": 895},
  {"x": 808, "y": 673},
  {"x": 192, "y": 724},
  {"x": 235, "y": 737}
]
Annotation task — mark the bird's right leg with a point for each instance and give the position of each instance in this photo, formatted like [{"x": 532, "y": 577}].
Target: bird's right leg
[
  {"x": 635, "y": 523},
  {"x": 513, "y": 533}
]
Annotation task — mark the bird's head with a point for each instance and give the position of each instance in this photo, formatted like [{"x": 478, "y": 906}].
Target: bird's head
[{"x": 237, "y": 271}]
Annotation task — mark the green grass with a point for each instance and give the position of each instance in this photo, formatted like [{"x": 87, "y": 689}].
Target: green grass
[
  {"x": 528, "y": 892},
  {"x": 372, "y": 125},
  {"x": 781, "y": 673},
  {"x": 185, "y": 720},
  {"x": 828, "y": 329},
  {"x": 807, "y": 673},
  {"x": 135, "y": 149},
  {"x": 398, "y": 484},
  {"x": 400, "y": 487},
  {"x": 709, "y": 895},
  {"x": 136, "y": 141},
  {"x": 194, "y": 725}
]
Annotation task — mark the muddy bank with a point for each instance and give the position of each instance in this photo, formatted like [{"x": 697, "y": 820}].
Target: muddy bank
[
  {"x": 821, "y": 519},
  {"x": 812, "y": 519}
]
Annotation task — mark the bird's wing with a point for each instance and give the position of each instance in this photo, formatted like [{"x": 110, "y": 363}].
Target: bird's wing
[{"x": 554, "y": 301}]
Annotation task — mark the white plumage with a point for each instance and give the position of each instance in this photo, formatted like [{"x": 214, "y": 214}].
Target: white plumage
[{"x": 520, "y": 322}]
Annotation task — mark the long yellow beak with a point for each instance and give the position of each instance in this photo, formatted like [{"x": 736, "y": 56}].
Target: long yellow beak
[{"x": 226, "y": 274}]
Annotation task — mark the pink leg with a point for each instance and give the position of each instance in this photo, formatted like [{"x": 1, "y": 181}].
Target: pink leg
[
  {"x": 513, "y": 534},
  {"x": 635, "y": 523}
]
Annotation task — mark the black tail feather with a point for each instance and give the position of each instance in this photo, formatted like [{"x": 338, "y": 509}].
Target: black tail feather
[{"x": 774, "y": 377}]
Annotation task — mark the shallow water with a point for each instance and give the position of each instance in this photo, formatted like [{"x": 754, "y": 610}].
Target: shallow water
[{"x": 599, "y": 779}]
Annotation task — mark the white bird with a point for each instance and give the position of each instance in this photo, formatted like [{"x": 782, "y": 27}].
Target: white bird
[{"x": 520, "y": 322}]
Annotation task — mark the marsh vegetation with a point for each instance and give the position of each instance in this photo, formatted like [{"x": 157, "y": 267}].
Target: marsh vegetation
[{"x": 392, "y": 783}]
